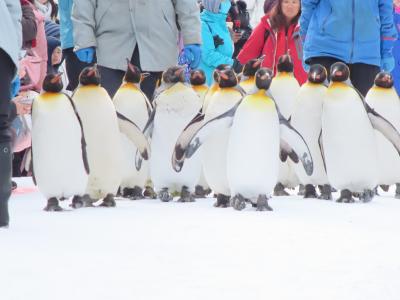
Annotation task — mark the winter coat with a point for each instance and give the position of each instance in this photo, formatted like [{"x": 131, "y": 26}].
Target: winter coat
[
  {"x": 272, "y": 43},
  {"x": 66, "y": 28},
  {"x": 28, "y": 22},
  {"x": 396, "y": 53},
  {"x": 354, "y": 31},
  {"x": 212, "y": 25},
  {"x": 10, "y": 29},
  {"x": 114, "y": 28}
]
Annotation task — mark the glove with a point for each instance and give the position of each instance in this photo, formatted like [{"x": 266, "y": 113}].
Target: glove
[
  {"x": 387, "y": 64},
  {"x": 15, "y": 86},
  {"x": 192, "y": 53},
  {"x": 237, "y": 66},
  {"x": 85, "y": 54}
]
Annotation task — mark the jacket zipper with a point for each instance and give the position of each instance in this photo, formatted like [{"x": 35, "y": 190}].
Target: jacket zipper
[
  {"x": 275, "y": 50},
  {"x": 353, "y": 6}
]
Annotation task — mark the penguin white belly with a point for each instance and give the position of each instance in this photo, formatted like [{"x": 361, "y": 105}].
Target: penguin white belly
[
  {"x": 306, "y": 118},
  {"x": 103, "y": 140},
  {"x": 387, "y": 104},
  {"x": 253, "y": 152},
  {"x": 349, "y": 141},
  {"x": 57, "y": 151},
  {"x": 176, "y": 107},
  {"x": 248, "y": 85}
]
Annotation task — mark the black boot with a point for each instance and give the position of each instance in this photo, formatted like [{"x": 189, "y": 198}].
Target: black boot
[
  {"x": 310, "y": 191},
  {"x": 5, "y": 182}
]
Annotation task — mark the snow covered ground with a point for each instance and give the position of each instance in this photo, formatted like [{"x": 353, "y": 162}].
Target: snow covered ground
[{"x": 305, "y": 249}]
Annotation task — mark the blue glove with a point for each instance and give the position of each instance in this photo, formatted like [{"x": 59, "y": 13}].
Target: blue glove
[
  {"x": 85, "y": 54},
  {"x": 15, "y": 86},
  {"x": 192, "y": 53},
  {"x": 387, "y": 64}
]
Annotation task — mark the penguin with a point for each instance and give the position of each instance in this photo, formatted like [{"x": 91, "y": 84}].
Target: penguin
[
  {"x": 348, "y": 138},
  {"x": 102, "y": 125},
  {"x": 175, "y": 104},
  {"x": 59, "y": 156},
  {"x": 214, "y": 150},
  {"x": 382, "y": 97},
  {"x": 248, "y": 75},
  {"x": 284, "y": 88},
  {"x": 257, "y": 126},
  {"x": 306, "y": 118},
  {"x": 131, "y": 102},
  {"x": 215, "y": 85},
  {"x": 198, "y": 82}
]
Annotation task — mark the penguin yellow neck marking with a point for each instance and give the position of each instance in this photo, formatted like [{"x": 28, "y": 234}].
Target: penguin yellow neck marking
[
  {"x": 284, "y": 74},
  {"x": 200, "y": 88},
  {"x": 129, "y": 85},
  {"x": 48, "y": 96},
  {"x": 260, "y": 100}
]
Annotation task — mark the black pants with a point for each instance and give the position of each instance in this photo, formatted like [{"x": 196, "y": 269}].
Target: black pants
[
  {"x": 111, "y": 79},
  {"x": 361, "y": 75},
  {"x": 73, "y": 67}
]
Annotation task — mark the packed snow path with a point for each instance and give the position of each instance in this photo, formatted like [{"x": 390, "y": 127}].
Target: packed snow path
[{"x": 304, "y": 249}]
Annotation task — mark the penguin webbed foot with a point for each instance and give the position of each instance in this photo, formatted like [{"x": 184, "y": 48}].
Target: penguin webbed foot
[
  {"x": 53, "y": 205},
  {"x": 135, "y": 193},
  {"x": 367, "y": 195},
  {"x": 279, "y": 190},
  {"x": 385, "y": 187},
  {"x": 165, "y": 196},
  {"x": 397, "y": 195},
  {"x": 149, "y": 193},
  {"x": 238, "y": 202},
  {"x": 108, "y": 201},
  {"x": 310, "y": 191},
  {"x": 201, "y": 192},
  {"x": 326, "y": 192},
  {"x": 223, "y": 201},
  {"x": 186, "y": 195},
  {"x": 262, "y": 203},
  {"x": 302, "y": 190},
  {"x": 345, "y": 197},
  {"x": 77, "y": 202}
]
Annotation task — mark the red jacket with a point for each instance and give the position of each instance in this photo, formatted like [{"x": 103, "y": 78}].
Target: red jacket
[{"x": 276, "y": 44}]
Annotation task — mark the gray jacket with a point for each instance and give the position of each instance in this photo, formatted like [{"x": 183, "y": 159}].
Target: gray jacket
[
  {"x": 10, "y": 28},
  {"x": 115, "y": 26}
]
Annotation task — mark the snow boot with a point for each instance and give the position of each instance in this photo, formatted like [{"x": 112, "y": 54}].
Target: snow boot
[{"x": 5, "y": 182}]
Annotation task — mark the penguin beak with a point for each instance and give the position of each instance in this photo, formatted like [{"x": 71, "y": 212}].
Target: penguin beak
[
  {"x": 179, "y": 72},
  {"x": 259, "y": 61},
  {"x": 223, "y": 75},
  {"x": 56, "y": 79}
]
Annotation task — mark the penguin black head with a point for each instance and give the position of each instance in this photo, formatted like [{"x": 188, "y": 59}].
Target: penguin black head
[
  {"x": 384, "y": 80},
  {"x": 53, "y": 83},
  {"x": 317, "y": 74},
  {"x": 285, "y": 64},
  {"x": 264, "y": 78},
  {"x": 133, "y": 73},
  {"x": 174, "y": 74},
  {"x": 197, "y": 77},
  {"x": 90, "y": 75},
  {"x": 219, "y": 68},
  {"x": 340, "y": 72},
  {"x": 251, "y": 67},
  {"x": 227, "y": 78}
]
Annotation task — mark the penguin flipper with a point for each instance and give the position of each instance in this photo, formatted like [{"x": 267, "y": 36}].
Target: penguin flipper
[
  {"x": 294, "y": 145},
  {"x": 133, "y": 132},
  {"x": 321, "y": 149},
  {"x": 31, "y": 167}
]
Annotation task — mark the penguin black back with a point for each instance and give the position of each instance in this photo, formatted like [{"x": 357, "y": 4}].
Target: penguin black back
[
  {"x": 340, "y": 72},
  {"x": 251, "y": 67},
  {"x": 90, "y": 75},
  {"x": 264, "y": 78},
  {"x": 227, "y": 78},
  {"x": 317, "y": 74},
  {"x": 174, "y": 75},
  {"x": 132, "y": 74},
  {"x": 285, "y": 64},
  {"x": 384, "y": 80},
  {"x": 53, "y": 83},
  {"x": 197, "y": 77}
]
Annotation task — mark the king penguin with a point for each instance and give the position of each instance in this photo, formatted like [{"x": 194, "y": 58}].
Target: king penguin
[
  {"x": 214, "y": 86},
  {"x": 257, "y": 127},
  {"x": 60, "y": 166},
  {"x": 306, "y": 118},
  {"x": 248, "y": 74},
  {"x": 348, "y": 138},
  {"x": 382, "y": 97},
  {"x": 131, "y": 102},
  {"x": 101, "y": 126},
  {"x": 175, "y": 104}
]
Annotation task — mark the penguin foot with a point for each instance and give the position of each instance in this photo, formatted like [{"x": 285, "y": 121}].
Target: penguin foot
[
  {"x": 302, "y": 190},
  {"x": 384, "y": 187},
  {"x": 345, "y": 197},
  {"x": 238, "y": 202},
  {"x": 262, "y": 203},
  {"x": 164, "y": 195},
  {"x": 186, "y": 195},
  {"x": 108, "y": 201},
  {"x": 310, "y": 191},
  {"x": 326, "y": 192},
  {"x": 222, "y": 201},
  {"x": 397, "y": 195},
  {"x": 52, "y": 205},
  {"x": 135, "y": 193},
  {"x": 367, "y": 195},
  {"x": 77, "y": 202},
  {"x": 149, "y": 193},
  {"x": 201, "y": 192},
  {"x": 279, "y": 190}
]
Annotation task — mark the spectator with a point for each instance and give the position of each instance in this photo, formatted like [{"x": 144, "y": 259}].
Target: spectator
[
  {"x": 145, "y": 31},
  {"x": 243, "y": 19},
  {"x": 396, "y": 48},
  {"x": 10, "y": 45},
  {"x": 358, "y": 33},
  {"x": 275, "y": 35},
  {"x": 55, "y": 55},
  {"x": 28, "y": 22},
  {"x": 48, "y": 9}
]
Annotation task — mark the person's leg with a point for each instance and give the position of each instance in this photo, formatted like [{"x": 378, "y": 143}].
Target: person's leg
[
  {"x": 6, "y": 74},
  {"x": 73, "y": 67},
  {"x": 111, "y": 79},
  {"x": 362, "y": 76},
  {"x": 325, "y": 61}
]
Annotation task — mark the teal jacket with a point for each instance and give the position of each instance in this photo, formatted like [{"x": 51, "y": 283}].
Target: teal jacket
[
  {"x": 214, "y": 24},
  {"x": 66, "y": 29}
]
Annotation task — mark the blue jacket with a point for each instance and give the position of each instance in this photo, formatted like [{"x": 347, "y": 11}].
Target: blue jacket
[
  {"x": 396, "y": 54},
  {"x": 354, "y": 31},
  {"x": 66, "y": 28},
  {"x": 214, "y": 24}
]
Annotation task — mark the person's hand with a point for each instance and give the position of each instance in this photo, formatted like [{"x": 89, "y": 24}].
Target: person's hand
[
  {"x": 387, "y": 64},
  {"x": 22, "y": 108},
  {"x": 85, "y": 54},
  {"x": 236, "y": 36},
  {"x": 192, "y": 53}
]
